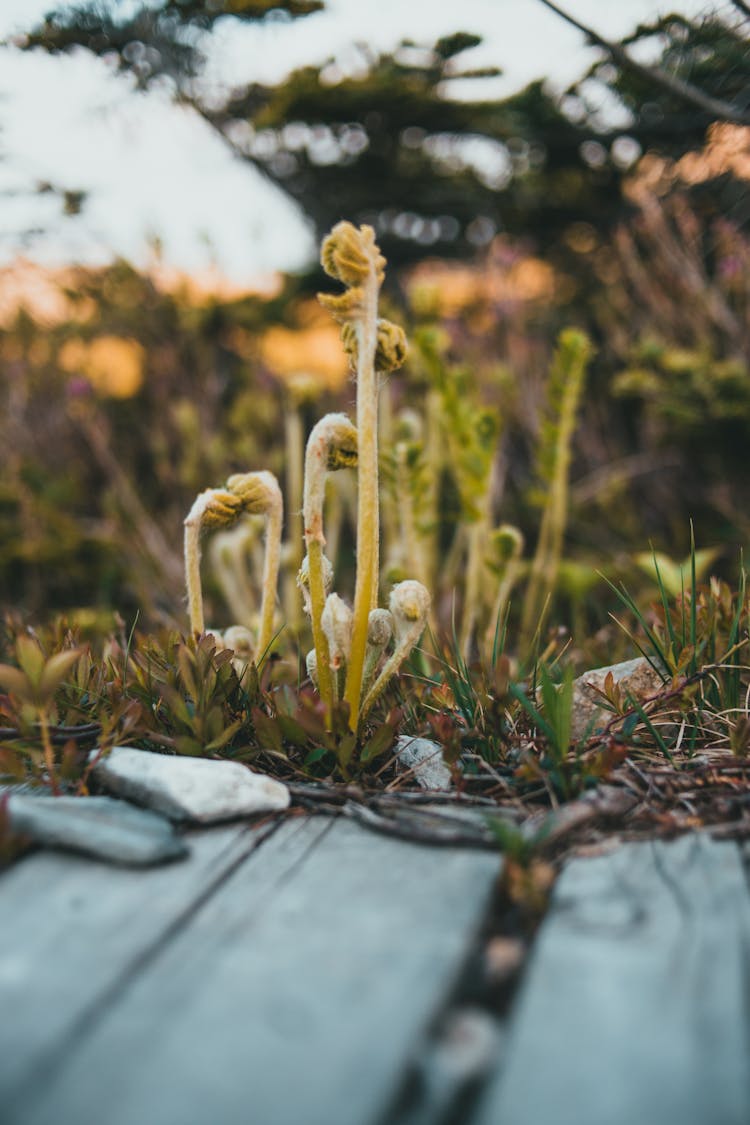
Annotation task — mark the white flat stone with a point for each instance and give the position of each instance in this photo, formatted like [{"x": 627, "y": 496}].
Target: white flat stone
[
  {"x": 425, "y": 759},
  {"x": 200, "y": 790}
]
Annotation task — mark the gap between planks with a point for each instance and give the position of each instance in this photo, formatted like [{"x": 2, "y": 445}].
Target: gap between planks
[{"x": 635, "y": 1007}]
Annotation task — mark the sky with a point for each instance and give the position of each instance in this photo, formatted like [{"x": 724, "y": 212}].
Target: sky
[{"x": 155, "y": 171}]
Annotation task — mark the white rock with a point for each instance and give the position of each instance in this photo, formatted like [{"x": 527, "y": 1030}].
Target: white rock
[
  {"x": 636, "y": 678},
  {"x": 425, "y": 759},
  {"x": 201, "y": 790}
]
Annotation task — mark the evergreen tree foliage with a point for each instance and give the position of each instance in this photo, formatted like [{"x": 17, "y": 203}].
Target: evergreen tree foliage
[{"x": 396, "y": 144}]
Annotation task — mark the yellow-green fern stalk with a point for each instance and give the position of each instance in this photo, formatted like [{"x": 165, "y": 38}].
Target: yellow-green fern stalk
[
  {"x": 567, "y": 380},
  {"x": 311, "y": 663},
  {"x": 477, "y": 534},
  {"x": 336, "y": 623},
  {"x": 471, "y": 434},
  {"x": 301, "y": 389},
  {"x": 341, "y": 511},
  {"x": 506, "y": 544},
  {"x": 332, "y": 445},
  {"x": 410, "y": 476},
  {"x": 233, "y": 564},
  {"x": 242, "y": 643},
  {"x": 303, "y": 581},
  {"x": 351, "y": 256},
  {"x": 379, "y": 634},
  {"x": 212, "y": 509},
  {"x": 219, "y": 508},
  {"x": 260, "y": 495},
  {"x": 409, "y": 605}
]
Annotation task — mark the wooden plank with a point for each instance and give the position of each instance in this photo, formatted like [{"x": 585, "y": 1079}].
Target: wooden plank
[
  {"x": 296, "y": 1003},
  {"x": 73, "y": 931},
  {"x": 636, "y": 1006}
]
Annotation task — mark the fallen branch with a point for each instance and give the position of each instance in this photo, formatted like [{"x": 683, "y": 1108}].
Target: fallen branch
[
  {"x": 59, "y": 735},
  {"x": 605, "y": 803},
  {"x": 411, "y": 826}
]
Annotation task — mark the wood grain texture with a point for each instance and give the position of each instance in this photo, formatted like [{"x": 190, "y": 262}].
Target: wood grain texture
[
  {"x": 635, "y": 1010},
  {"x": 72, "y": 931},
  {"x": 293, "y": 997}
]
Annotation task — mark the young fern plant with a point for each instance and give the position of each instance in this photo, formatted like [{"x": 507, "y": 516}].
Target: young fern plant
[
  {"x": 567, "y": 381},
  {"x": 332, "y": 445},
  {"x": 236, "y": 569},
  {"x": 409, "y": 488},
  {"x": 221, "y": 508},
  {"x": 350, "y": 660},
  {"x": 349, "y": 645},
  {"x": 301, "y": 390},
  {"x": 409, "y": 607},
  {"x": 506, "y": 545}
]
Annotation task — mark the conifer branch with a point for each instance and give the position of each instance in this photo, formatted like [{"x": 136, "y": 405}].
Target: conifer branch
[{"x": 714, "y": 107}]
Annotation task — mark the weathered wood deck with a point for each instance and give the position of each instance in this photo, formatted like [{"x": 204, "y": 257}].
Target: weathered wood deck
[{"x": 304, "y": 974}]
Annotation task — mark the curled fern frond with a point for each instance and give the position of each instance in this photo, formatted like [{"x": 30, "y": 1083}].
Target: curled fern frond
[{"x": 350, "y": 254}]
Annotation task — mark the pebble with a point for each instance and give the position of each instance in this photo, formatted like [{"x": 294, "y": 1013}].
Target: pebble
[
  {"x": 96, "y": 826},
  {"x": 503, "y": 957},
  {"x": 195, "y": 790},
  {"x": 467, "y": 1047},
  {"x": 425, "y": 759}
]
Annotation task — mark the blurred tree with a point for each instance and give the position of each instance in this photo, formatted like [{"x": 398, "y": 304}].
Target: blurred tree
[
  {"x": 701, "y": 75},
  {"x": 395, "y": 145},
  {"x": 151, "y": 40},
  {"x": 716, "y": 90},
  {"x": 21, "y": 183}
]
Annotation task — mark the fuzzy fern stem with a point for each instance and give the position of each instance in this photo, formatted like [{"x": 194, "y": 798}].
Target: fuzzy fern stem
[
  {"x": 508, "y": 543},
  {"x": 477, "y": 536},
  {"x": 218, "y": 508},
  {"x": 193, "y": 527},
  {"x": 379, "y": 633},
  {"x": 295, "y": 445},
  {"x": 229, "y": 553},
  {"x": 270, "y": 571},
  {"x": 351, "y": 255},
  {"x": 406, "y": 519},
  {"x": 368, "y": 530},
  {"x": 260, "y": 494},
  {"x": 409, "y": 606},
  {"x": 332, "y": 445},
  {"x": 320, "y": 641}
]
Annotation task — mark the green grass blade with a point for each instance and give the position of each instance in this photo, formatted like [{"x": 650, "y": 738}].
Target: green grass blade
[
  {"x": 652, "y": 730},
  {"x": 693, "y": 604},
  {"x": 518, "y": 694},
  {"x": 665, "y": 605},
  {"x": 623, "y": 595}
]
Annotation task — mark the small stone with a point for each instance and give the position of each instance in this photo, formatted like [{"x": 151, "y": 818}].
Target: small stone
[
  {"x": 503, "y": 957},
  {"x": 198, "y": 790},
  {"x": 636, "y": 678},
  {"x": 468, "y": 1044},
  {"x": 96, "y": 826},
  {"x": 425, "y": 759}
]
